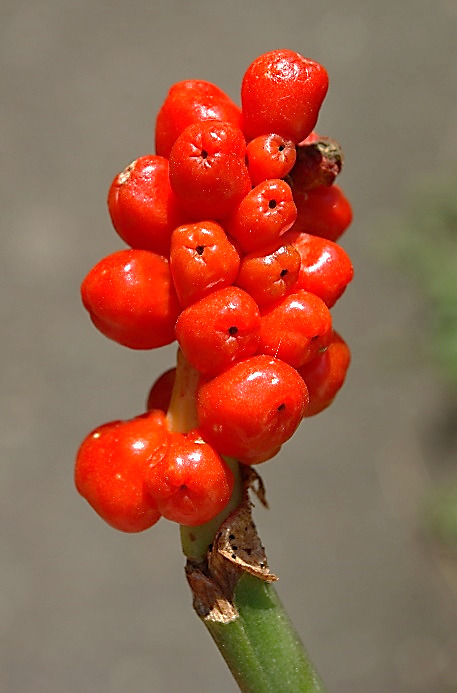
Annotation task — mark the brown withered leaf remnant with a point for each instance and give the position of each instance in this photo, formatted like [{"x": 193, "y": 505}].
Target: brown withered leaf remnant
[{"x": 236, "y": 549}]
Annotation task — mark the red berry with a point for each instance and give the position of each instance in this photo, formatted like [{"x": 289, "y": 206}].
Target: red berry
[
  {"x": 268, "y": 274},
  {"x": 322, "y": 211},
  {"x": 296, "y": 328},
  {"x": 111, "y": 465},
  {"x": 208, "y": 172},
  {"x": 282, "y": 92},
  {"x": 131, "y": 299},
  {"x": 219, "y": 329},
  {"x": 325, "y": 375},
  {"x": 160, "y": 393},
  {"x": 325, "y": 268},
  {"x": 191, "y": 484},
  {"x": 252, "y": 408},
  {"x": 142, "y": 205},
  {"x": 269, "y": 156},
  {"x": 188, "y": 102},
  {"x": 263, "y": 215},
  {"x": 202, "y": 259}
]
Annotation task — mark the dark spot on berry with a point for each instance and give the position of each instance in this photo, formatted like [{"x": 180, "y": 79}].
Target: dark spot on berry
[
  {"x": 233, "y": 330},
  {"x": 284, "y": 272},
  {"x": 316, "y": 336},
  {"x": 192, "y": 536},
  {"x": 272, "y": 204},
  {"x": 281, "y": 407},
  {"x": 231, "y": 536},
  {"x": 204, "y": 154},
  {"x": 281, "y": 147},
  {"x": 200, "y": 249}
]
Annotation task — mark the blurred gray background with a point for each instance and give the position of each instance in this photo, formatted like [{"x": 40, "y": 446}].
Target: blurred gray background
[{"x": 84, "y": 609}]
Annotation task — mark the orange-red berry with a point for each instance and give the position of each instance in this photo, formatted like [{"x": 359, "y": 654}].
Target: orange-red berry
[
  {"x": 143, "y": 208},
  {"x": 131, "y": 299},
  {"x": 218, "y": 330},
  {"x": 191, "y": 101},
  {"x": 111, "y": 466},
  {"x": 191, "y": 484},
  {"x": 282, "y": 92},
  {"x": 208, "y": 172},
  {"x": 325, "y": 375},
  {"x": 252, "y": 408}
]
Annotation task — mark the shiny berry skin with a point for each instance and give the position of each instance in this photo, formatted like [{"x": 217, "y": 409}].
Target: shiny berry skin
[
  {"x": 282, "y": 92},
  {"x": 202, "y": 259},
  {"x": 263, "y": 215},
  {"x": 325, "y": 375},
  {"x": 269, "y": 156},
  {"x": 191, "y": 101},
  {"x": 296, "y": 328},
  {"x": 111, "y": 466},
  {"x": 131, "y": 299},
  {"x": 191, "y": 484},
  {"x": 208, "y": 172},
  {"x": 325, "y": 268},
  {"x": 159, "y": 396},
  {"x": 219, "y": 329},
  {"x": 252, "y": 408},
  {"x": 268, "y": 274},
  {"x": 322, "y": 211},
  {"x": 142, "y": 205}
]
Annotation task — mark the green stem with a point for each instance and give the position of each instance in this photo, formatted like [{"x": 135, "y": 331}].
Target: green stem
[
  {"x": 257, "y": 641},
  {"x": 261, "y": 647}
]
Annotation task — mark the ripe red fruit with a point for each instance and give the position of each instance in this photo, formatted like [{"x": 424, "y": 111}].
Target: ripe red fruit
[
  {"x": 208, "y": 172},
  {"x": 191, "y": 484},
  {"x": 160, "y": 393},
  {"x": 219, "y": 329},
  {"x": 191, "y": 101},
  {"x": 325, "y": 375},
  {"x": 296, "y": 328},
  {"x": 263, "y": 215},
  {"x": 325, "y": 268},
  {"x": 252, "y": 408},
  {"x": 282, "y": 92},
  {"x": 269, "y": 156},
  {"x": 131, "y": 299},
  {"x": 111, "y": 465},
  {"x": 322, "y": 211},
  {"x": 142, "y": 205},
  {"x": 202, "y": 259},
  {"x": 268, "y": 274}
]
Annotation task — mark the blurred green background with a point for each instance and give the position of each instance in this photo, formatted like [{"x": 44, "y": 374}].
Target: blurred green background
[{"x": 366, "y": 569}]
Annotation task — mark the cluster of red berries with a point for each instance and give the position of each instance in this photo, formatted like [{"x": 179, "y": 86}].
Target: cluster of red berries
[{"x": 232, "y": 227}]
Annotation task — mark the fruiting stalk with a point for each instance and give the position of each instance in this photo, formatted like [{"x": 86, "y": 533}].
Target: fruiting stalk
[{"x": 247, "y": 621}]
